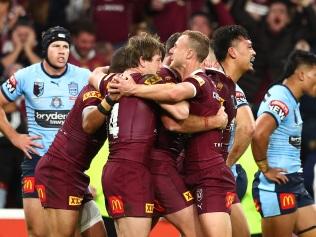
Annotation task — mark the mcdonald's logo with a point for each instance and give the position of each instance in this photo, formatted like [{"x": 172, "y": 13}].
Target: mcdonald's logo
[
  {"x": 187, "y": 196},
  {"x": 28, "y": 184},
  {"x": 287, "y": 201},
  {"x": 230, "y": 197},
  {"x": 149, "y": 208},
  {"x": 74, "y": 201},
  {"x": 116, "y": 204},
  {"x": 41, "y": 192}
]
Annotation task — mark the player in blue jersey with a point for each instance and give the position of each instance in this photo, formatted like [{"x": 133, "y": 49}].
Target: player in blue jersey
[
  {"x": 278, "y": 188},
  {"x": 50, "y": 89}
]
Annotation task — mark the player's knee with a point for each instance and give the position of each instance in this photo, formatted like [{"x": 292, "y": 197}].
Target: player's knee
[{"x": 307, "y": 231}]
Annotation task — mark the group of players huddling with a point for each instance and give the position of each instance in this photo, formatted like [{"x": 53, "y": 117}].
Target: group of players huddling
[{"x": 176, "y": 122}]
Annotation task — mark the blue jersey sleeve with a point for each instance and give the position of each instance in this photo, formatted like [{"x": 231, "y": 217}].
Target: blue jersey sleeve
[
  {"x": 13, "y": 87},
  {"x": 241, "y": 99},
  {"x": 275, "y": 103}
]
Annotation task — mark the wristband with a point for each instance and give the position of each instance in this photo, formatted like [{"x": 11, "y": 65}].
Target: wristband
[
  {"x": 102, "y": 110},
  {"x": 263, "y": 165},
  {"x": 109, "y": 100}
]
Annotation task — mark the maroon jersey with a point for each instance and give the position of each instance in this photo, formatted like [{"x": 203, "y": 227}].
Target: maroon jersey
[
  {"x": 226, "y": 88},
  {"x": 71, "y": 142},
  {"x": 168, "y": 144},
  {"x": 203, "y": 149},
  {"x": 132, "y": 126}
]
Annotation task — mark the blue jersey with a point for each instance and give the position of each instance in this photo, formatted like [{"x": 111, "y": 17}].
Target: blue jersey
[
  {"x": 285, "y": 142},
  {"x": 48, "y": 99}
]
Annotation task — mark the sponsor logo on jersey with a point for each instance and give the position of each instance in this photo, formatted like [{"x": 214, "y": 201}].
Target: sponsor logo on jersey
[
  {"x": 56, "y": 102},
  {"x": 295, "y": 141},
  {"x": 240, "y": 97},
  {"x": 41, "y": 192},
  {"x": 116, "y": 204},
  {"x": 28, "y": 183},
  {"x": 151, "y": 79},
  {"x": 287, "y": 201},
  {"x": 91, "y": 94},
  {"x": 149, "y": 208},
  {"x": 50, "y": 118},
  {"x": 11, "y": 84},
  {"x": 280, "y": 108},
  {"x": 38, "y": 88},
  {"x": 187, "y": 196},
  {"x": 73, "y": 88},
  {"x": 230, "y": 197},
  {"x": 219, "y": 86},
  {"x": 74, "y": 201}
]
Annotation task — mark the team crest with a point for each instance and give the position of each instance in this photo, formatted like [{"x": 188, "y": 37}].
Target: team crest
[
  {"x": 38, "y": 88},
  {"x": 73, "y": 88}
]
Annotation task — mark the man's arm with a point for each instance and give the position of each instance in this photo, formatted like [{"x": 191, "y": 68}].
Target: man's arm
[
  {"x": 265, "y": 125},
  {"x": 178, "y": 110},
  {"x": 22, "y": 141},
  {"x": 94, "y": 116},
  {"x": 168, "y": 93},
  {"x": 196, "y": 123},
  {"x": 245, "y": 127}
]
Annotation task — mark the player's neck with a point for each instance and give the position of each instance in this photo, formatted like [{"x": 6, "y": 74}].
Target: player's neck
[
  {"x": 296, "y": 90},
  {"x": 189, "y": 68},
  {"x": 53, "y": 71},
  {"x": 231, "y": 70}
]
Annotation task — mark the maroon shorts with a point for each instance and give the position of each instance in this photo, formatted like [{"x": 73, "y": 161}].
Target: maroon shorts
[
  {"x": 214, "y": 189},
  {"x": 128, "y": 189},
  {"x": 171, "y": 194},
  {"x": 60, "y": 185}
]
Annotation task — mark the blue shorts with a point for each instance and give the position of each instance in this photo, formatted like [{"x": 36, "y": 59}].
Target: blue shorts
[
  {"x": 28, "y": 179},
  {"x": 285, "y": 198},
  {"x": 241, "y": 179}
]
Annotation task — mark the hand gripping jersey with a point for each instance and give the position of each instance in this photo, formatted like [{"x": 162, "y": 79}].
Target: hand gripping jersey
[{"x": 48, "y": 99}]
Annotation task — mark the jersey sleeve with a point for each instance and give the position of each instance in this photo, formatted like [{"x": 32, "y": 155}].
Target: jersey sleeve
[
  {"x": 241, "y": 99},
  {"x": 276, "y": 104},
  {"x": 12, "y": 88},
  {"x": 197, "y": 83},
  {"x": 91, "y": 98}
]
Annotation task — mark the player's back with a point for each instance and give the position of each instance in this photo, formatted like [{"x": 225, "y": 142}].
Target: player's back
[
  {"x": 203, "y": 149},
  {"x": 71, "y": 142},
  {"x": 132, "y": 126},
  {"x": 226, "y": 88}
]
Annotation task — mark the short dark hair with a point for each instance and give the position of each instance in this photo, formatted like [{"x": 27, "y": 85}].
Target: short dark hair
[
  {"x": 171, "y": 41},
  {"x": 118, "y": 61},
  {"x": 199, "y": 42},
  {"x": 145, "y": 46},
  {"x": 296, "y": 59},
  {"x": 201, "y": 14},
  {"x": 83, "y": 25},
  {"x": 223, "y": 38}
]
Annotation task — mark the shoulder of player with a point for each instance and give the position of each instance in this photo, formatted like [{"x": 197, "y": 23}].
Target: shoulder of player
[
  {"x": 73, "y": 69},
  {"x": 200, "y": 78},
  {"x": 88, "y": 92}
]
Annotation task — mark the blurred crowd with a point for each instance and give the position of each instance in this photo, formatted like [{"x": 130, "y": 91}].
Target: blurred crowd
[{"x": 98, "y": 27}]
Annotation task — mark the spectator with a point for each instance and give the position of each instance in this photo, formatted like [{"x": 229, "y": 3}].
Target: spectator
[
  {"x": 83, "y": 52},
  {"x": 108, "y": 15},
  {"x": 274, "y": 37},
  {"x": 21, "y": 48},
  {"x": 164, "y": 13}
]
